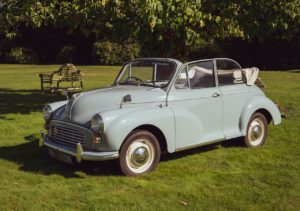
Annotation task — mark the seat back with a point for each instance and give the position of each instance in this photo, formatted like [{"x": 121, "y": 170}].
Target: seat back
[{"x": 65, "y": 72}]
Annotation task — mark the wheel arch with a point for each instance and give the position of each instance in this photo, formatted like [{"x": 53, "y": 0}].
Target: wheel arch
[
  {"x": 157, "y": 133},
  {"x": 262, "y": 105},
  {"x": 266, "y": 113}
]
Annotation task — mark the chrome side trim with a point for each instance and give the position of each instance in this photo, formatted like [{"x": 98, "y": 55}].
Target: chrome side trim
[{"x": 199, "y": 145}]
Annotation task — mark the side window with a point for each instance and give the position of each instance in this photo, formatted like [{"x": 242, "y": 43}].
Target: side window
[
  {"x": 181, "y": 81},
  {"x": 201, "y": 74},
  {"x": 229, "y": 72}
]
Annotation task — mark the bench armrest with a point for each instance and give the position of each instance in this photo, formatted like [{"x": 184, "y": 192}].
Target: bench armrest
[{"x": 45, "y": 75}]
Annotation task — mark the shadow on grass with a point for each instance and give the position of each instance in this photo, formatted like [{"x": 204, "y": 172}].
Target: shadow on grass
[
  {"x": 24, "y": 101},
  {"x": 293, "y": 71},
  {"x": 33, "y": 159}
]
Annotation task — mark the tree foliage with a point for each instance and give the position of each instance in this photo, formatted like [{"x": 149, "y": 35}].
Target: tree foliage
[
  {"x": 21, "y": 56},
  {"x": 168, "y": 27},
  {"x": 108, "y": 53}
]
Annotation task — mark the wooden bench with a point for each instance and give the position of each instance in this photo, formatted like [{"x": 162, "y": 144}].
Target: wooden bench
[{"x": 66, "y": 73}]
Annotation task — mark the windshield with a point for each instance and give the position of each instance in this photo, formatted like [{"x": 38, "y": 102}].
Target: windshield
[{"x": 147, "y": 73}]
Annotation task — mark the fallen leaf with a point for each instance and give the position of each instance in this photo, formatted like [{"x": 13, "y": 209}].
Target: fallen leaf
[{"x": 184, "y": 203}]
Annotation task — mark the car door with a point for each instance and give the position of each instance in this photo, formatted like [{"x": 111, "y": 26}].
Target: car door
[
  {"x": 234, "y": 93},
  {"x": 197, "y": 105}
]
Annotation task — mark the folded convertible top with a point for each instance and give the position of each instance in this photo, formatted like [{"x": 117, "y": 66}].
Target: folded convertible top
[{"x": 251, "y": 75}]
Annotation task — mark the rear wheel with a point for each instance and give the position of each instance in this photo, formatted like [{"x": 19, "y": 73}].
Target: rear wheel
[
  {"x": 139, "y": 153},
  {"x": 257, "y": 131}
]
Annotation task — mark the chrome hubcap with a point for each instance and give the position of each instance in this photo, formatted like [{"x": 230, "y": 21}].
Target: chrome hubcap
[
  {"x": 140, "y": 155},
  {"x": 256, "y": 132}
]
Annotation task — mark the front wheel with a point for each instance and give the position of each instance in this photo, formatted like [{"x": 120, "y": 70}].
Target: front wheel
[
  {"x": 139, "y": 153},
  {"x": 257, "y": 131}
]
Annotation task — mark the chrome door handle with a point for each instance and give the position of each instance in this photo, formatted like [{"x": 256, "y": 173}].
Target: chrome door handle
[{"x": 216, "y": 94}]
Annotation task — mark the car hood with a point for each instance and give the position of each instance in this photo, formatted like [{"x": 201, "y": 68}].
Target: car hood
[{"x": 81, "y": 107}]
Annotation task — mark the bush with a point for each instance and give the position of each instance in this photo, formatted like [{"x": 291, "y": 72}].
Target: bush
[
  {"x": 5, "y": 46},
  {"x": 67, "y": 54},
  {"x": 129, "y": 51},
  {"x": 21, "y": 55},
  {"x": 105, "y": 53},
  {"x": 110, "y": 53}
]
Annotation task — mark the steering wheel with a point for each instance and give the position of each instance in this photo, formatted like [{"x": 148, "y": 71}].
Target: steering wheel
[{"x": 133, "y": 77}]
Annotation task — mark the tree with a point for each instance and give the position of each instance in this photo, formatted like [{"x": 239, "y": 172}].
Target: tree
[{"x": 165, "y": 28}]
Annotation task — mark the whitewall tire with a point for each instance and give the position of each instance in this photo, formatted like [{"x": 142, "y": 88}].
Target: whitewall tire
[
  {"x": 139, "y": 153},
  {"x": 257, "y": 131}
]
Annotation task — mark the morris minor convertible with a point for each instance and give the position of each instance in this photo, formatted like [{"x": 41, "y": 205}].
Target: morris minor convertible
[{"x": 159, "y": 105}]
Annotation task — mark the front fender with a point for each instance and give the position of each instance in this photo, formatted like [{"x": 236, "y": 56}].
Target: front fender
[
  {"x": 119, "y": 123},
  {"x": 255, "y": 103},
  {"x": 55, "y": 105}
]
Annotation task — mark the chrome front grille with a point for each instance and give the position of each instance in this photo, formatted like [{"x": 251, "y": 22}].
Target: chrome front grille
[{"x": 67, "y": 135}]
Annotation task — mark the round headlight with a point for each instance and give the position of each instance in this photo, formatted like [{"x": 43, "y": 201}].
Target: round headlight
[
  {"x": 97, "y": 124},
  {"x": 47, "y": 112}
]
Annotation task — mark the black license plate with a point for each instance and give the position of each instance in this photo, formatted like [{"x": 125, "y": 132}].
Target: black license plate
[{"x": 60, "y": 156}]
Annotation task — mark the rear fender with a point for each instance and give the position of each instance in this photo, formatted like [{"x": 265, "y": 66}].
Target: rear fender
[{"x": 255, "y": 103}]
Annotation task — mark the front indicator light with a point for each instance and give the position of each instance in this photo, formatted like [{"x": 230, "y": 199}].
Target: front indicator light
[{"x": 97, "y": 140}]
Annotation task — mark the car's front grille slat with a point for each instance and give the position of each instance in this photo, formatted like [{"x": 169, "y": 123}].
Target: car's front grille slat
[
  {"x": 67, "y": 135},
  {"x": 62, "y": 139},
  {"x": 74, "y": 133},
  {"x": 68, "y": 129}
]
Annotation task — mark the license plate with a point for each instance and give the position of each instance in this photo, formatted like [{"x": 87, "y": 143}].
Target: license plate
[{"x": 60, "y": 156}]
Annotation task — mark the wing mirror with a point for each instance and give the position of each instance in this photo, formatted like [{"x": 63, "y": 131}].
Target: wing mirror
[{"x": 125, "y": 99}]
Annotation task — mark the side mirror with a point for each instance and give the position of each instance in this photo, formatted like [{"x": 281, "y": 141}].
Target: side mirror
[{"x": 125, "y": 99}]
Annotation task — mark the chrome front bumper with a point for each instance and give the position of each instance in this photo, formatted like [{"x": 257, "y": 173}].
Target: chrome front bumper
[{"x": 78, "y": 153}]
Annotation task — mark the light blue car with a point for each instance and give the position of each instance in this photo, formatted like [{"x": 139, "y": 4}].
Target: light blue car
[{"x": 159, "y": 105}]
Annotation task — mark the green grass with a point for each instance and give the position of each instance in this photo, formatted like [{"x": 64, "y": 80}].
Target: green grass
[{"x": 221, "y": 176}]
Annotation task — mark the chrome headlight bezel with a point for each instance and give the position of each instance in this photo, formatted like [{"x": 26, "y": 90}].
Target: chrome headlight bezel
[
  {"x": 47, "y": 111},
  {"x": 97, "y": 124}
]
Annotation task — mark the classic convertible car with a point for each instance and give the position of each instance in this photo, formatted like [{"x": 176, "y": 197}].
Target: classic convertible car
[{"x": 159, "y": 105}]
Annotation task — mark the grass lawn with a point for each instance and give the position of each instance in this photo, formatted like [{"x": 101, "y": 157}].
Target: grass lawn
[{"x": 222, "y": 176}]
